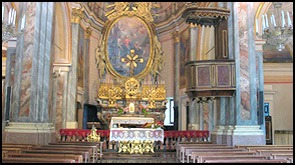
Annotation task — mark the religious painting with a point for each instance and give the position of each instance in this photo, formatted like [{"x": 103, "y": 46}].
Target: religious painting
[
  {"x": 128, "y": 47},
  {"x": 80, "y": 65},
  {"x": 272, "y": 55},
  {"x": 184, "y": 54}
]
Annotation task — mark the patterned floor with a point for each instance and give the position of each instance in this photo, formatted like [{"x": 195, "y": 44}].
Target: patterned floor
[{"x": 157, "y": 157}]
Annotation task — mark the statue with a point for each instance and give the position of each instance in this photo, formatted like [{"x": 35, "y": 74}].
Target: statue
[{"x": 93, "y": 136}]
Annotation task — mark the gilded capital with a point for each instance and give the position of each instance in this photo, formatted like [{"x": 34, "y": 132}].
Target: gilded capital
[
  {"x": 192, "y": 25},
  {"x": 76, "y": 15},
  {"x": 88, "y": 32},
  {"x": 176, "y": 36}
]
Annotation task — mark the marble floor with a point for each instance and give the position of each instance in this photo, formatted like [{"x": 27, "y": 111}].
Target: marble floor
[{"x": 157, "y": 157}]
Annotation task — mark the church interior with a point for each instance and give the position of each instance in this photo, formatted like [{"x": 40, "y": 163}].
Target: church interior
[{"x": 147, "y": 82}]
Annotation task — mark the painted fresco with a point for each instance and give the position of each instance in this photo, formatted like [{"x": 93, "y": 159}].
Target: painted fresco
[
  {"x": 127, "y": 34},
  {"x": 184, "y": 54}
]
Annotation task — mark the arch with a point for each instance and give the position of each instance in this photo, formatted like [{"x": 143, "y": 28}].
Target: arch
[{"x": 61, "y": 41}]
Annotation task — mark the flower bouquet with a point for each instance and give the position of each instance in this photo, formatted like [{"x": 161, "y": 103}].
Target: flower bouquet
[
  {"x": 159, "y": 124},
  {"x": 120, "y": 110},
  {"x": 144, "y": 110}
]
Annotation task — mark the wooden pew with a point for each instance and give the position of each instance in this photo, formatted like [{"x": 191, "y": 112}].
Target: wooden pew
[
  {"x": 195, "y": 155},
  {"x": 270, "y": 146},
  {"x": 98, "y": 150},
  {"x": 24, "y": 146},
  {"x": 290, "y": 160},
  {"x": 202, "y": 159},
  {"x": 246, "y": 161},
  {"x": 36, "y": 160},
  {"x": 77, "y": 158},
  {"x": 181, "y": 147},
  {"x": 91, "y": 148},
  {"x": 281, "y": 156},
  {"x": 269, "y": 152},
  {"x": 188, "y": 151},
  {"x": 85, "y": 154}
]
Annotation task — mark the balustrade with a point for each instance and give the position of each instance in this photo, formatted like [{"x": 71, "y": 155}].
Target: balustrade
[{"x": 170, "y": 137}]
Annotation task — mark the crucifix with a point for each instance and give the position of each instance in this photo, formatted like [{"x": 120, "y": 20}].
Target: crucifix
[{"x": 131, "y": 60}]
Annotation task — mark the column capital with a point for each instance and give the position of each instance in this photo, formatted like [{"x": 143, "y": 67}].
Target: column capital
[
  {"x": 88, "y": 32},
  {"x": 176, "y": 36},
  {"x": 258, "y": 44},
  {"x": 192, "y": 25},
  {"x": 77, "y": 15}
]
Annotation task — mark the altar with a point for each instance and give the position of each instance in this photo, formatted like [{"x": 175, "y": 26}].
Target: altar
[{"x": 135, "y": 140}]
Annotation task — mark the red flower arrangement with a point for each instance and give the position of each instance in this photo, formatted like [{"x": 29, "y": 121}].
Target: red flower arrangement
[{"x": 159, "y": 124}]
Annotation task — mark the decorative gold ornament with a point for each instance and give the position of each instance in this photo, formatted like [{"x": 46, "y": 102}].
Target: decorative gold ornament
[
  {"x": 158, "y": 61},
  {"x": 100, "y": 60},
  {"x": 76, "y": 15},
  {"x": 141, "y": 9},
  {"x": 124, "y": 146},
  {"x": 131, "y": 60},
  {"x": 93, "y": 136},
  {"x": 88, "y": 32},
  {"x": 131, "y": 87}
]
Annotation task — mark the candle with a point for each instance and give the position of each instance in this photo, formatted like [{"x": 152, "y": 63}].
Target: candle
[
  {"x": 289, "y": 19},
  {"x": 9, "y": 15},
  {"x": 283, "y": 19},
  {"x": 23, "y": 22},
  {"x": 274, "y": 21},
  {"x": 14, "y": 17},
  {"x": 263, "y": 23},
  {"x": 2, "y": 13},
  {"x": 256, "y": 26},
  {"x": 266, "y": 21}
]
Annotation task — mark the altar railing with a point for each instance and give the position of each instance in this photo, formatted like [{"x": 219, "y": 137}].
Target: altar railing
[{"x": 170, "y": 137}]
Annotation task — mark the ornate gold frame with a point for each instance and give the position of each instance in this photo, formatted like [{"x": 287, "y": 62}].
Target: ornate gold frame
[{"x": 109, "y": 26}]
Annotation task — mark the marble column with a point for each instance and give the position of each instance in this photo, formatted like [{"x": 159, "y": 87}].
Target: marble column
[
  {"x": 193, "y": 41},
  {"x": 240, "y": 126},
  {"x": 72, "y": 79},
  {"x": 32, "y": 88},
  {"x": 64, "y": 100},
  {"x": 194, "y": 114},
  {"x": 86, "y": 64},
  {"x": 176, "y": 78},
  {"x": 201, "y": 116},
  {"x": 211, "y": 117},
  {"x": 259, "y": 56},
  {"x": 9, "y": 81}
]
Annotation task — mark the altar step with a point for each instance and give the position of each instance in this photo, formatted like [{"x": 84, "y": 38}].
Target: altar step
[{"x": 157, "y": 157}]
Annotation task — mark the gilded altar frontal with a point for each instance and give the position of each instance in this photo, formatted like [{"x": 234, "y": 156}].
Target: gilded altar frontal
[{"x": 147, "y": 82}]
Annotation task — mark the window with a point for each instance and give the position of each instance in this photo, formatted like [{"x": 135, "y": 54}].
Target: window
[{"x": 169, "y": 113}]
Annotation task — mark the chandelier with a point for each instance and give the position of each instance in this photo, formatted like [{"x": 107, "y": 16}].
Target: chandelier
[
  {"x": 279, "y": 30},
  {"x": 8, "y": 28}
]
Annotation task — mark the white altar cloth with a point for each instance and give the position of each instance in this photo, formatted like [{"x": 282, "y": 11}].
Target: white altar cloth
[
  {"x": 119, "y": 134},
  {"x": 131, "y": 120}
]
